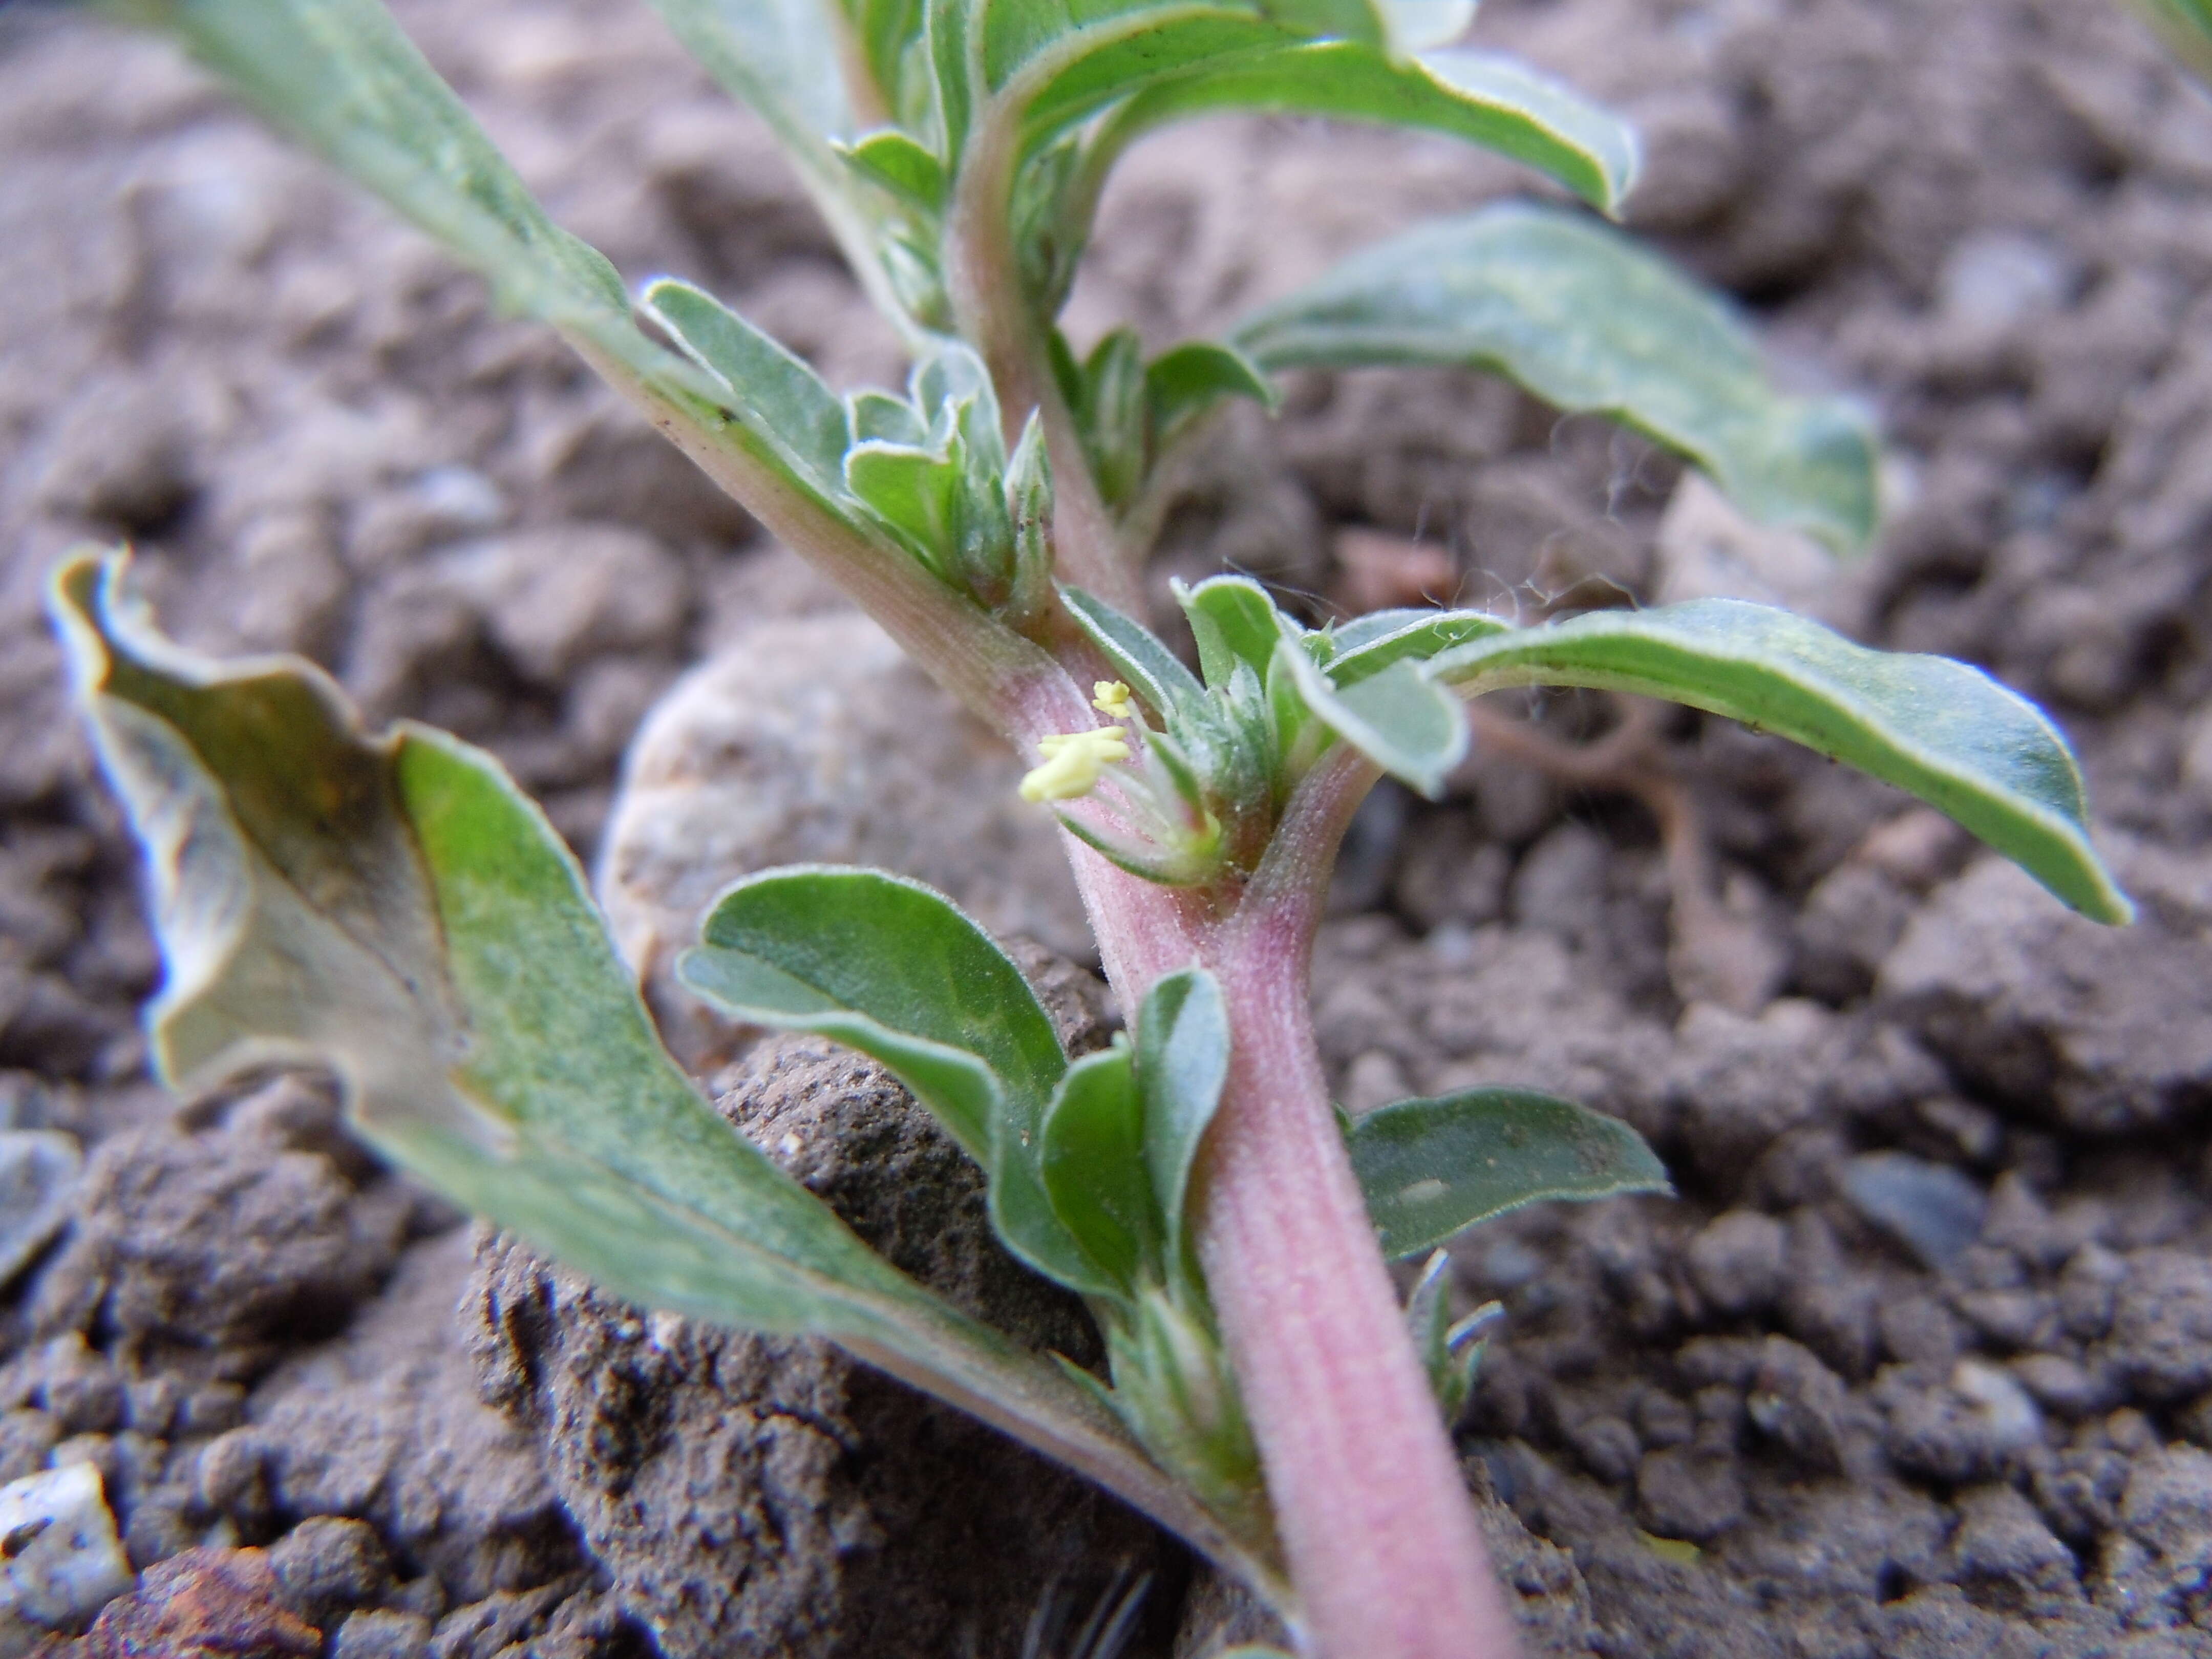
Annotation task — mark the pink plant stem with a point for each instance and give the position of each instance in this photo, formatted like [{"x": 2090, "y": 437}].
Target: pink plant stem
[
  {"x": 1376, "y": 1522},
  {"x": 1376, "y": 1527}
]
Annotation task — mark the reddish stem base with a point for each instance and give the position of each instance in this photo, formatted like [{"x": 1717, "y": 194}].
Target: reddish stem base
[{"x": 1377, "y": 1529}]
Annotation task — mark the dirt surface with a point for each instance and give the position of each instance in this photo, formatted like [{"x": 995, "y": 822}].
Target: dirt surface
[{"x": 1918, "y": 1362}]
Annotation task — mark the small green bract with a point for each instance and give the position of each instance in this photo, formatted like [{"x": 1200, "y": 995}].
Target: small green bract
[{"x": 388, "y": 906}]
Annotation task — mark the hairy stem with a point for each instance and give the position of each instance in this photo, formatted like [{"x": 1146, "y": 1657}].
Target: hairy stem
[{"x": 1376, "y": 1527}]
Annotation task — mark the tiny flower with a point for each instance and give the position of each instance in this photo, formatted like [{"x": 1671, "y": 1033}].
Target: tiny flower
[
  {"x": 1111, "y": 699},
  {"x": 1072, "y": 763}
]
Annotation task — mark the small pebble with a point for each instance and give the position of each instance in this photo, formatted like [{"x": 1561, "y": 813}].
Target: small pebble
[
  {"x": 1931, "y": 1209},
  {"x": 382, "y": 1634},
  {"x": 60, "y": 1560},
  {"x": 2013, "y": 1418}
]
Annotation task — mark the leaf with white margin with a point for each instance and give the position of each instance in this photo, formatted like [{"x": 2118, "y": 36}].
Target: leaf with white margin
[
  {"x": 392, "y": 910},
  {"x": 1479, "y": 98},
  {"x": 897, "y": 970},
  {"x": 1371, "y": 643},
  {"x": 1400, "y": 718},
  {"x": 1945, "y": 732},
  {"x": 1587, "y": 320},
  {"x": 1431, "y": 1168},
  {"x": 1234, "y": 621},
  {"x": 1153, "y": 671}
]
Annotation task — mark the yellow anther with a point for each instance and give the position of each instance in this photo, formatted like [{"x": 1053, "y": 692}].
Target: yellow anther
[
  {"x": 1072, "y": 762},
  {"x": 1111, "y": 699}
]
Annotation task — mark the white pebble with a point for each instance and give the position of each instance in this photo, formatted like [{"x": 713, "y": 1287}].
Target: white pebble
[
  {"x": 60, "y": 1561},
  {"x": 2013, "y": 1416}
]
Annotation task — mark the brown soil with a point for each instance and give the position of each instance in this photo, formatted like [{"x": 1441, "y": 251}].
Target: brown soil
[{"x": 1919, "y": 1362}]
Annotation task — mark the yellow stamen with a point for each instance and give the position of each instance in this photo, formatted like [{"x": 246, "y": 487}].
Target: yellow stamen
[
  {"x": 1072, "y": 762},
  {"x": 1111, "y": 699}
]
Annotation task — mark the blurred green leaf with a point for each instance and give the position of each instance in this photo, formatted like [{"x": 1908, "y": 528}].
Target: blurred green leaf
[
  {"x": 887, "y": 32},
  {"x": 1399, "y": 718},
  {"x": 948, "y": 38},
  {"x": 899, "y": 972},
  {"x": 2187, "y": 26},
  {"x": 1945, "y": 732},
  {"x": 1191, "y": 65},
  {"x": 1368, "y": 644},
  {"x": 393, "y": 909},
  {"x": 778, "y": 55},
  {"x": 1111, "y": 414},
  {"x": 1431, "y": 1168},
  {"x": 1585, "y": 320},
  {"x": 782, "y": 58},
  {"x": 1184, "y": 381},
  {"x": 892, "y": 161}
]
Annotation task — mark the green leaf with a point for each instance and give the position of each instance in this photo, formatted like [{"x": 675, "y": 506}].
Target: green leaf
[
  {"x": 1185, "y": 381},
  {"x": 1112, "y": 415},
  {"x": 1018, "y": 32},
  {"x": 780, "y": 57},
  {"x": 889, "y": 32},
  {"x": 393, "y": 909},
  {"x": 1208, "y": 63},
  {"x": 878, "y": 417},
  {"x": 1234, "y": 621},
  {"x": 1182, "y": 1065},
  {"x": 899, "y": 972},
  {"x": 886, "y": 965},
  {"x": 1431, "y": 1168},
  {"x": 1151, "y": 669},
  {"x": 1094, "y": 1167},
  {"x": 892, "y": 161},
  {"x": 801, "y": 416},
  {"x": 1409, "y": 635},
  {"x": 1582, "y": 318},
  {"x": 1400, "y": 718},
  {"x": 1947, "y": 733},
  {"x": 948, "y": 35},
  {"x": 913, "y": 491}
]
